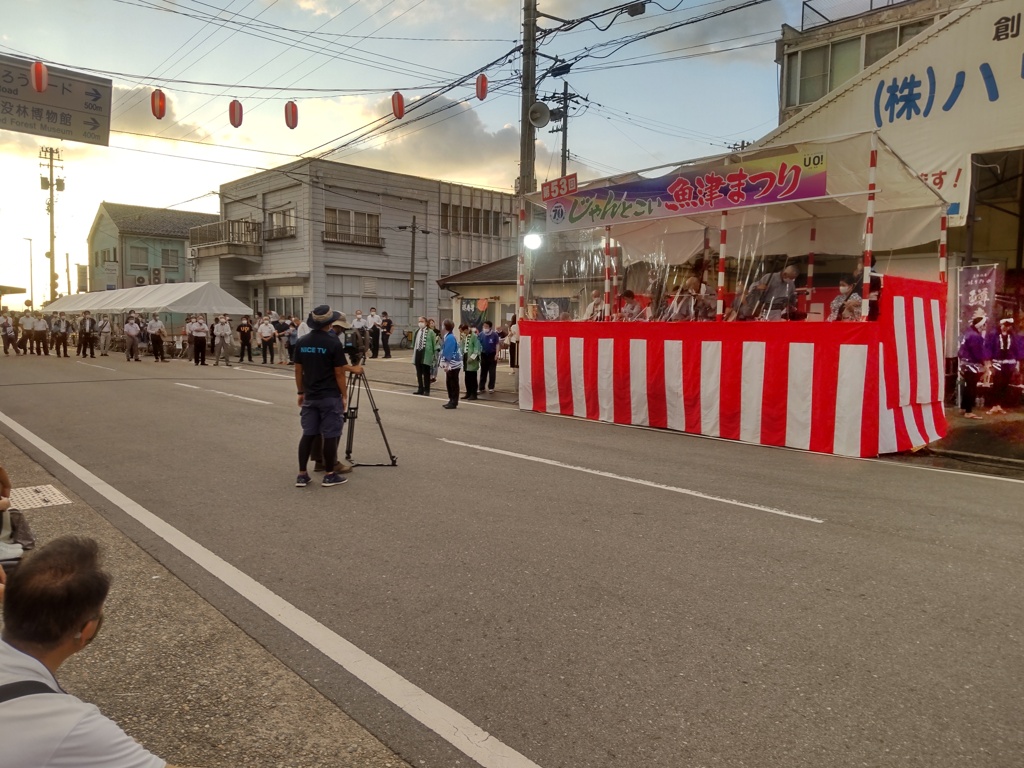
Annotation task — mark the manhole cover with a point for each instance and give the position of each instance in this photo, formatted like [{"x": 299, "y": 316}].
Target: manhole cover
[{"x": 37, "y": 496}]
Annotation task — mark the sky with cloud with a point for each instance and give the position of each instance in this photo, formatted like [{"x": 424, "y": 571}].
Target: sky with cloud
[{"x": 678, "y": 94}]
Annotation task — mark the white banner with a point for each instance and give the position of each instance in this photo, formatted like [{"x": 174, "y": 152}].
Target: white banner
[{"x": 955, "y": 90}]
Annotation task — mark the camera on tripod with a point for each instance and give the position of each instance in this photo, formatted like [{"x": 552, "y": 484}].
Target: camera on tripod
[{"x": 355, "y": 345}]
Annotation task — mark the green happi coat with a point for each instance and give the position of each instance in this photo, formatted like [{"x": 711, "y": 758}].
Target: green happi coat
[{"x": 470, "y": 346}]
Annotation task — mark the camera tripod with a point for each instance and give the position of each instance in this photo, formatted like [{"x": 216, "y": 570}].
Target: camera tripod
[{"x": 357, "y": 385}]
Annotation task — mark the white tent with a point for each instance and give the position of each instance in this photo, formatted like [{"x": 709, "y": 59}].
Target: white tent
[
  {"x": 181, "y": 298},
  {"x": 907, "y": 210}
]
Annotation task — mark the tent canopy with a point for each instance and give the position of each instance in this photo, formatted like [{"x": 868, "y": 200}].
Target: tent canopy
[
  {"x": 182, "y": 298},
  {"x": 832, "y": 199}
]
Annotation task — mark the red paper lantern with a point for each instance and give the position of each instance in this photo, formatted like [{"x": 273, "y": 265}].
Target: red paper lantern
[
  {"x": 235, "y": 113},
  {"x": 398, "y": 105},
  {"x": 158, "y": 103},
  {"x": 40, "y": 77},
  {"x": 291, "y": 114},
  {"x": 481, "y": 86}
]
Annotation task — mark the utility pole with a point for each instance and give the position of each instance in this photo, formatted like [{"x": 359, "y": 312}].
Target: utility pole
[
  {"x": 412, "y": 265},
  {"x": 49, "y": 155},
  {"x": 562, "y": 115},
  {"x": 67, "y": 269},
  {"x": 31, "y": 276},
  {"x": 528, "y": 134}
]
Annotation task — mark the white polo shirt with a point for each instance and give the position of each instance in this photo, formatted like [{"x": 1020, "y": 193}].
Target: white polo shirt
[{"x": 57, "y": 730}]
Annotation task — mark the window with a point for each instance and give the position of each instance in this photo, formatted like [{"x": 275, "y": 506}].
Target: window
[
  {"x": 485, "y": 222},
  {"x": 138, "y": 257},
  {"x": 355, "y": 227},
  {"x": 496, "y": 219},
  {"x": 106, "y": 255},
  {"x": 879, "y": 44},
  {"x": 467, "y": 219},
  {"x": 286, "y": 306},
  {"x": 813, "y": 74},
  {"x": 169, "y": 258},
  {"x": 792, "y": 79},
  {"x": 95, "y": 258},
  {"x": 281, "y": 224},
  {"x": 456, "y": 219},
  {"x": 844, "y": 62},
  {"x": 445, "y": 213},
  {"x": 907, "y": 31}
]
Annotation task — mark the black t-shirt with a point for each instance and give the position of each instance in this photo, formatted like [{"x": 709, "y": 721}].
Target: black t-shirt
[
  {"x": 386, "y": 325},
  {"x": 244, "y": 331},
  {"x": 319, "y": 353}
]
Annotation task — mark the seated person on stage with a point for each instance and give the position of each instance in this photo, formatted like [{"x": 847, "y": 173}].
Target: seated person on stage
[
  {"x": 876, "y": 286},
  {"x": 690, "y": 303},
  {"x": 840, "y": 308},
  {"x": 773, "y": 297},
  {"x": 595, "y": 309},
  {"x": 631, "y": 308}
]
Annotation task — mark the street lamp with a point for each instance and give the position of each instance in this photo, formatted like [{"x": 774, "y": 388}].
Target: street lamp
[{"x": 31, "y": 281}]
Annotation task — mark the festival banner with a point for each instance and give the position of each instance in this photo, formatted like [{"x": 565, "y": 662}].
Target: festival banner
[
  {"x": 754, "y": 182},
  {"x": 977, "y": 293}
]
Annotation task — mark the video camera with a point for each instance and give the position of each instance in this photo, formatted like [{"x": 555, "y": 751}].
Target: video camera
[{"x": 354, "y": 344}]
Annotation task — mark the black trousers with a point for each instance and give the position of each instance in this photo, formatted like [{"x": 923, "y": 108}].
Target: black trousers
[
  {"x": 245, "y": 348},
  {"x": 374, "y": 341},
  {"x": 1002, "y": 375},
  {"x": 158, "y": 346},
  {"x": 60, "y": 341},
  {"x": 513, "y": 354},
  {"x": 199, "y": 349},
  {"x": 268, "y": 344},
  {"x": 970, "y": 389},
  {"x": 10, "y": 341},
  {"x": 488, "y": 370},
  {"x": 451, "y": 382},
  {"x": 87, "y": 343},
  {"x": 40, "y": 344},
  {"x": 471, "y": 385},
  {"x": 386, "y": 341},
  {"x": 422, "y": 373}
]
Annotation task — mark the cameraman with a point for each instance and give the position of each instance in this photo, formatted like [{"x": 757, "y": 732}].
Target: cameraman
[{"x": 321, "y": 362}]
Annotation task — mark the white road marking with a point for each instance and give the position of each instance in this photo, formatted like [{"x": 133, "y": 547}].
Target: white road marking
[
  {"x": 226, "y": 394},
  {"x": 93, "y": 365},
  {"x": 263, "y": 373},
  {"x": 962, "y": 473},
  {"x": 635, "y": 480},
  {"x": 239, "y": 397},
  {"x": 457, "y": 730}
]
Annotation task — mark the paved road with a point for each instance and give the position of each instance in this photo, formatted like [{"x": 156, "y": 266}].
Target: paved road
[{"x": 589, "y": 595}]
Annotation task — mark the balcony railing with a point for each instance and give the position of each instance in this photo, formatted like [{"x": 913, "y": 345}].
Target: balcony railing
[
  {"x": 353, "y": 238},
  {"x": 231, "y": 232},
  {"x": 278, "y": 233}
]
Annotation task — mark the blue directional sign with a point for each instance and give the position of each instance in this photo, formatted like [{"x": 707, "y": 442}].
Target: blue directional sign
[{"x": 75, "y": 107}]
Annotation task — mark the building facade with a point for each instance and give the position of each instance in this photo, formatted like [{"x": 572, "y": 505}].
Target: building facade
[
  {"x": 316, "y": 231},
  {"x": 839, "y": 40},
  {"x": 132, "y": 245}
]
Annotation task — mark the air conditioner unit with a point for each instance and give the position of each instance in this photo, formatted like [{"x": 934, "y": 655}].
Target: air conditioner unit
[
  {"x": 193, "y": 253},
  {"x": 156, "y": 276},
  {"x": 140, "y": 280}
]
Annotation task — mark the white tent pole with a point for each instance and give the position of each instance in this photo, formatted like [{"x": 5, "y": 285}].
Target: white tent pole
[
  {"x": 869, "y": 228},
  {"x": 943, "y": 222},
  {"x": 723, "y": 238},
  {"x": 607, "y": 273}
]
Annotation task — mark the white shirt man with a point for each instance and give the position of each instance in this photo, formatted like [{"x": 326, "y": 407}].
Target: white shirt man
[
  {"x": 222, "y": 333},
  {"x": 155, "y": 326},
  {"x": 373, "y": 322},
  {"x": 131, "y": 339},
  {"x": 156, "y": 338},
  {"x": 103, "y": 329},
  {"x": 595, "y": 309}
]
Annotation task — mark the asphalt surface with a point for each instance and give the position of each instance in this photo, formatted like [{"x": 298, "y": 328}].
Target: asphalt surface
[{"x": 581, "y": 618}]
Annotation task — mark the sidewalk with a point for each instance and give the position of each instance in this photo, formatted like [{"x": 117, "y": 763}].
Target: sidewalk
[
  {"x": 399, "y": 371},
  {"x": 999, "y": 438},
  {"x": 178, "y": 676}
]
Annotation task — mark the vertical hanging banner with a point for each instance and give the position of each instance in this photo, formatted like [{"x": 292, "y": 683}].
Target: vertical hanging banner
[
  {"x": 977, "y": 289},
  {"x": 756, "y": 181}
]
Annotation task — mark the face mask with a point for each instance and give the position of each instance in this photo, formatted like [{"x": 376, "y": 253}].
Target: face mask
[
  {"x": 422, "y": 325},
  {"x": 844, "y": 289}
]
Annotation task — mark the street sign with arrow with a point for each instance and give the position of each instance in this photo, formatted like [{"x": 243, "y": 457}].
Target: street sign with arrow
[{"x": 74, "y": 107}]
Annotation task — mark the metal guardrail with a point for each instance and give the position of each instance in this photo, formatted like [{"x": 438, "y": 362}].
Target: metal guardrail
[{"x": 819, "y": 12}]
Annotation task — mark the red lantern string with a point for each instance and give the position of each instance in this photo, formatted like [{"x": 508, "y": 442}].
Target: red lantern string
[
  {"x": 291, "y": 114},
  {"x": 398, "y": 105},
  {"x": 158, "y": 103},
  {"x": 235, "y": 113}
]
